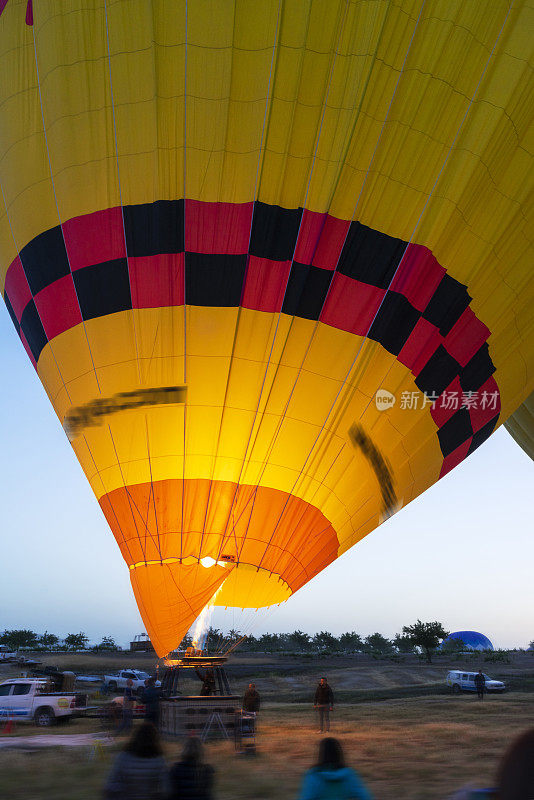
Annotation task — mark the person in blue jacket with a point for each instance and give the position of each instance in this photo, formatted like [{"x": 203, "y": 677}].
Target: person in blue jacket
[{"x": 330, "y": 779}]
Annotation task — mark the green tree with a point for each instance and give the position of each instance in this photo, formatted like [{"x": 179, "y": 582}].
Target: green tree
[
  {"x": 76, "y": 641},
  {"x": 19, "y": 638},
  {"x": 377, "y": 644},
  {"x": 325, "y": 641},
  {"x": 298, "y": 640},
  {"x": 452, "y": 646},
  {"x": 426, "y": 635},
  {"x": 269, "y": 642},
  {"x": 214, "y": 640},
  {"x": 249, "y": 643},
  {"x": 108, "y": 644},
  {"x": 48, "y": 640},
  {"x": 233, "y": 636},
  {"x": 351, "y": 641},
  {"x": 403, "y": 643}
]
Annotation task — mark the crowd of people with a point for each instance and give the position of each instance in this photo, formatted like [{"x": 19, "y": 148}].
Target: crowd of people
[{"x": 140, "y": 772}]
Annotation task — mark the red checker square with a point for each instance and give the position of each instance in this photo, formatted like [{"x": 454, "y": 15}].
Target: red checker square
[
  {"x": 455, "y": 458},
  {"x": 311, "y": 226},
  {"x": 27, "y": 348},
  {"x": 94, "y": 238},
  {"x": 58, "y": 307},
  {"x": 422, "y": 343},
  {"x": 265, "y": 284},
  {"x": 217, "y": 228},
  {"x": 17, "y": 288},
  {"x": 331, "y": 243},
  {"x": 448, "y": 403},
  {"x": 418, "y": 276},
  {"x": 157, "y": 281},
  {"x": 351, "y": 305},
  {"x": 486, "y": 404},
  {"x": 466, "y": 337}
]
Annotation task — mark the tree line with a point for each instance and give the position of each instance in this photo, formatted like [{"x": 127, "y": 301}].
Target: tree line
[
  {"x": 421, "y": 637},
  {"x": 425, "y": 635},
  {"x": 25, "y": 639}
]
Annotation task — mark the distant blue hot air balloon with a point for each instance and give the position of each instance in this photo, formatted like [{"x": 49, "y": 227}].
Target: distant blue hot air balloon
[{"x": 472, "y": 640}]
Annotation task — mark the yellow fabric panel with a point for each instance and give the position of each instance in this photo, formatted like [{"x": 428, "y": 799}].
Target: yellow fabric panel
[
  {"x": 248, "y": 587},
  {"x": 7, "y": 243},
  {"x": 521, "y": 426},
  {"x": 170, "y": 597},
  {"x": 71, "y": 53},
  {"x": 225, "y": 439}
]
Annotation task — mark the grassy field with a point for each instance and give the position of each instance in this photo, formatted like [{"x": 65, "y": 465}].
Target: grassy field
[{"x": 407, "y": 747}]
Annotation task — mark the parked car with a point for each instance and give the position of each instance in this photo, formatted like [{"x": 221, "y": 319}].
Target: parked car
[
  {"x": 460, "y": 681},
  {"x": 31, "y": 699},
  {"x": 118, "y": 681},
  {"x": 6, "y": 654}
]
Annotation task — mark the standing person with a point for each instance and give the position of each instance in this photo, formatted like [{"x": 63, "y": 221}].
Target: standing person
[
  {"x": 251, "y": 699},
  {"x": 330, "y": 778},
  {"x": 324, "y": 703},
  {"x": 127, "y": 708},
  {"x": 480, "y": 683},
  {"x": 190, "y": 778},
  {"x": 150, "y": 698},
  {"x": 208, "y": 682},
  {"x": 139, "y": 771}
]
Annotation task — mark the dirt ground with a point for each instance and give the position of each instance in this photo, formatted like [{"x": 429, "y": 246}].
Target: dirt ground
[{"x": 424, "y": 744}]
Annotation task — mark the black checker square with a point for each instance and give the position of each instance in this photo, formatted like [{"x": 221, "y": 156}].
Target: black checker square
[
  {"x": 274, "y": 232},
  {"x": 154, "y": 228},
  {"x": 306, "y": 291},
  {"x": 455, "y": 431},
  {"x": 214, "y": 280},
  {"x": 477, "y": 370},
  {"x": 438, "y": 372},
  {"x": 32, "y": 328},
  {"x": 484, "y": 433},
  {"x": 447, "y": 304},
  {"x": 370, "y": 256},
  {"x": 103, "y": 288},
  {"x": 12, "y": 314},
  {"x": 45, "y": 259},
  {"x": 394, "y": 322}
]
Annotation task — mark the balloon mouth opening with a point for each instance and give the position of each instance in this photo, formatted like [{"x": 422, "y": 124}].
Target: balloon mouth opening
[{"x": 207, "y": 562}]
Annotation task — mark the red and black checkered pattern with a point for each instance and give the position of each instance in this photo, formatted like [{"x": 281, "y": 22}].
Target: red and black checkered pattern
[{"x": 271, "y": 259}]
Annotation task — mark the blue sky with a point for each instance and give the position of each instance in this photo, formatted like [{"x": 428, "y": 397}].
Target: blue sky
[{"x": 461, "y": 554}]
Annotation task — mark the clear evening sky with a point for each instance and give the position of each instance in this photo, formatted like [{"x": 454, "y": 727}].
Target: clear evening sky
[{"x": 461, "y": 554}]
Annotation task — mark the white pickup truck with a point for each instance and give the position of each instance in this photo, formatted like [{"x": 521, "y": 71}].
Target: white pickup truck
[
  {"x": 28, "y": 699},
  {"x": 118, "y": 681}
]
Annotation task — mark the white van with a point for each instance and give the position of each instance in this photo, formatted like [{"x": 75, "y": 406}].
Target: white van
[{"x": 465, "y": 682}]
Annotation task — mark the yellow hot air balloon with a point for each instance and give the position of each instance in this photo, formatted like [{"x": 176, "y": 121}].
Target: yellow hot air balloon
[{"x": 272, "y": 264}]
